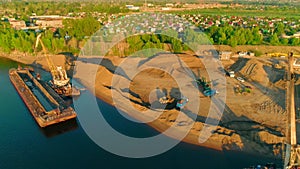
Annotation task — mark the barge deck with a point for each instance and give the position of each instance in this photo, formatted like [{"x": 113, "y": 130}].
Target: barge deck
[{"x": 44, "y": 118}]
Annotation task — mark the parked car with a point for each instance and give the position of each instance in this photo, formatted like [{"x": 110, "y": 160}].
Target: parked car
[
  {"x": 240, "y": 79},
  {"x": 231, "y": 74},
  {"x": 182, "y": 102},
  {"x": 249, "y": 87}
]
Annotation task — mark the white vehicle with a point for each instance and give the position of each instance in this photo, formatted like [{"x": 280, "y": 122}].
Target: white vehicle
[
  {"x": 243, "y": 54},
  {"x": 240, "y": 79},
  {"x": 231, "y": 74}
]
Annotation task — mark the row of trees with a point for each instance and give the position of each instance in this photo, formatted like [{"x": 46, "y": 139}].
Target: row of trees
[
  {"x": 13, "y": 40},
  {"x": 169, "y": 40},
  {"x": 77, "y": 31},
  {"x": 61, "y": 40},
  {"x": 234, "y": 36}
]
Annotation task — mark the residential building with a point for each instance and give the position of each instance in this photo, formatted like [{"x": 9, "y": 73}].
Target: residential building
[
  {"x": 297, "y": 63},
  {"x": 45, "y": 23},
  {"x": 225, "y": 55},
  {"x": 16, "y": 24}
]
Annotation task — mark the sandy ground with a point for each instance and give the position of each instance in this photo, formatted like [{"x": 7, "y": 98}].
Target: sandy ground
[{"x": 253, "y": 122}]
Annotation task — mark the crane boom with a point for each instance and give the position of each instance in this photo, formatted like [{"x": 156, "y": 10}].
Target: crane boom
[{"x": 59, "y": 75}]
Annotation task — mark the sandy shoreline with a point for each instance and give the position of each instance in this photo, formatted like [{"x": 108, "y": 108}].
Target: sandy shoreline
[
  {"x": 161, "y": 127},
  {"x": 32, "y": 60}
]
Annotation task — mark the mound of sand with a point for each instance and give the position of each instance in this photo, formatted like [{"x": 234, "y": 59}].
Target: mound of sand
[
  {"x": 255, "y": 71},
  {"x": 261, "y": 71}
]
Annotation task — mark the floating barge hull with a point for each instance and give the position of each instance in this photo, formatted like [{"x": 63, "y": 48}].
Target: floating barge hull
[{"x": 42, "y": 117}]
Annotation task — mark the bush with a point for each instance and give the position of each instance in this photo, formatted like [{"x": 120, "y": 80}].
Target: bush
[{"x": 257, "y": 53}]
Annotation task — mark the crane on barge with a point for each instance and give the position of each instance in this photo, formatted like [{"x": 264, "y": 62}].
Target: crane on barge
[{"x": 60, "y": 81}]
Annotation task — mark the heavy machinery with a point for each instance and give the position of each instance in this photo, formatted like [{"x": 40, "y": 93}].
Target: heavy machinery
[
  {"x": 207, "y": 91},
  {"x": 59, "y": 75},
  {"x": 60, "y": 81},
  {"x": 182, "y": 102}
]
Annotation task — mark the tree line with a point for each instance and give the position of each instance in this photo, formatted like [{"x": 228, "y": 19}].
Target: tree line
[
  {"x": 66, "y": 39},
  {"x": 233, "y": 36},
  {"x": 76, "y": 31},
  {"x": 168, "y": 40}
]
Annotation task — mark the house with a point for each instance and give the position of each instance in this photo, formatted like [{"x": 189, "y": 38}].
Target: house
[
  {"x": 297, "y": 35},
  {"x": 129, "y": 6},
  {"x": 132, "y": 7},
  {"x": 135, "y": 8},
  {"x": 225, "y": 55},
  {"x": 169, "y": 5},
  {"x": 165, "y": 9},
  {"x": 297, "y": 64},
  {"x": 45, "y": 23},
  {"x": 150, "y": 5},
  {"x": 16, "y": 24}
]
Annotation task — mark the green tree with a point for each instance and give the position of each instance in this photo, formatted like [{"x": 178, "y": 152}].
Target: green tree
[
  {"x": 167, "y": 35},
  {"x": 294, "y": 41},
  {"x": 176, "y": 45},
  {"x": 80, "y": 28},
  {"x": 257, "y": 37},
  {"x": 232, "y": 42},
  {"x": 154, "y": 38},
  {"x": 146, "y": 38},
  {"x": 279, "y": 28},
  {"x": 274, "y": 39},
  {"x": 284, "y": 41},
  {"x": 241, "y": 36},
  {"x": 221, "y": 37},
  {"x": 248, "y": 36},
  {"x": 212, "y": 30},
  {"x": 135, "y": 43}
]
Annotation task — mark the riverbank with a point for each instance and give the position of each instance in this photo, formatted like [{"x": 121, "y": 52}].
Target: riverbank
[{"x": 38, "y": 60}]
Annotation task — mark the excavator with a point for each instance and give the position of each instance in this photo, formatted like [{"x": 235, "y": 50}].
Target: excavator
[{"x": 60, "y": 81}]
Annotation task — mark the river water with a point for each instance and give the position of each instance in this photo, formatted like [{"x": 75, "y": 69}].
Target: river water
[{"x": 23, "y": 145}]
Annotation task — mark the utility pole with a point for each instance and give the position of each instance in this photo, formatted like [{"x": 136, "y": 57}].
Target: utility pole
[
  {"x": 292, "y": 100},
  {"x": 292, "y": 149}
]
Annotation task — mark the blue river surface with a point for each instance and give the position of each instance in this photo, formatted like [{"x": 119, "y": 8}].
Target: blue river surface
[{"x": 23, "y": 145}]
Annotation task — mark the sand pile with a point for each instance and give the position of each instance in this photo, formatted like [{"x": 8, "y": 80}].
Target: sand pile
[{"x": 255, "y": 71}]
